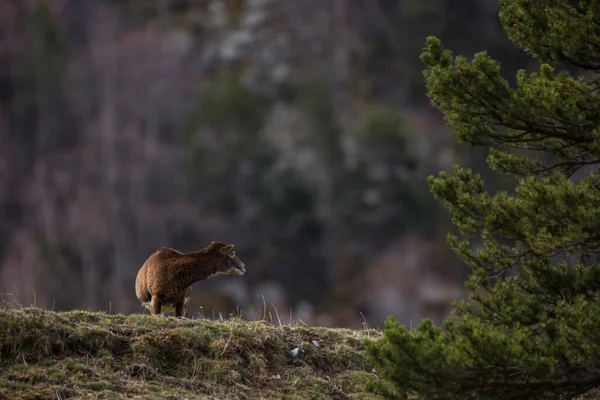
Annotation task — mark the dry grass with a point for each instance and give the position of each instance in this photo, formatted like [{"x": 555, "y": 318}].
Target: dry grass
[{"x": 78, "y": 354}]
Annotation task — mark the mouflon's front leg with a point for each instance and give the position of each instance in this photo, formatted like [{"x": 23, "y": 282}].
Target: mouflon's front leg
[{"x": 156, "y": 305}]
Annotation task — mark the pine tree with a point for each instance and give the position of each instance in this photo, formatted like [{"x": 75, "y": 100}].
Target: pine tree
[{"x": 530, "y": 328}]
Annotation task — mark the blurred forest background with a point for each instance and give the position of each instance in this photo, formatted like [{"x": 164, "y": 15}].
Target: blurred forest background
[{"x": 298, "y": 130}]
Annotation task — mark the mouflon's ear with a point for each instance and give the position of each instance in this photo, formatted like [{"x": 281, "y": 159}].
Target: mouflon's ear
[
  {"x": 212, "y": 247},
  {"x": 226, "y": 249}
]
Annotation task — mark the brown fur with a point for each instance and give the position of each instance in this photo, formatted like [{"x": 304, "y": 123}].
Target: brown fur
[{"x": 167, "y": 275}]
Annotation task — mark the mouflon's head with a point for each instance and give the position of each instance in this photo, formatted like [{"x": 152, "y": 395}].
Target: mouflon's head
[{"x": 227, "y": 261}]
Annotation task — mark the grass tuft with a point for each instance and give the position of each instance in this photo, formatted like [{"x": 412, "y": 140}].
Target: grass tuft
[{"x": 46, "y": 354}]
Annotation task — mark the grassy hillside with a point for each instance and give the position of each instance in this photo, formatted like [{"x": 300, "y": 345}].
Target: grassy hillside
[{"x": 57, "y": 355}]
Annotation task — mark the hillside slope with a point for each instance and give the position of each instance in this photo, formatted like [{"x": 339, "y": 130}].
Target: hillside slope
[{"x": 78, "y": 354}]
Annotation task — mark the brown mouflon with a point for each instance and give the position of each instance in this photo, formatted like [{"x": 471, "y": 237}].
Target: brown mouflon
[{"x": 164, "y": 281}]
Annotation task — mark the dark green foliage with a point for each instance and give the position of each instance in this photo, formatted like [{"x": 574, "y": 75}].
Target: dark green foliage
[
  {"x": 325, "y": 139},
  {"x": 40, "y": 100},
  {"x": 383, "y": 186},
  {"x": 464, "y": 26},
  {"x": 47, "y": 51},
  {"x": 317, "y": 104},
  {"x": 232, "y": 117},
  {"x": 225, "y": 146},
  {"x": 250, "y": 187},
  {"x": 530, "y": 327}
]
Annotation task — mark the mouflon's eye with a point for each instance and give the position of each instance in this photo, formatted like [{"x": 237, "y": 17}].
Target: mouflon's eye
[{"x": 231, "y": 255}]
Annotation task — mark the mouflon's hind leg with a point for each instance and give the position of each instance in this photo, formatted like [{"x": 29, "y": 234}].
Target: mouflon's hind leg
[
  {"x": 180, "y": 308},
  {"x": 180, "y": 313},
  {"x": 156, "y": 305}
]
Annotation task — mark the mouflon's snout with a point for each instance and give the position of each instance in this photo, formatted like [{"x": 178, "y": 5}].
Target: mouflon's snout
[{"x": 241, "y": 268}]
